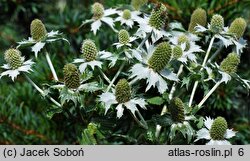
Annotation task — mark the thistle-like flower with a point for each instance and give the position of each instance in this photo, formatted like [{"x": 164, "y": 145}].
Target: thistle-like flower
[
  {"x": 158, "y": 16},
  {"x": 153, "y": 67},
  {"x": 176, "y": 109},
  {"x": 124, "y": 39},
  {"x": 122, "y": 97},
  {"x": 100, "y": 15},
  {"x": 39, "y": 37},
  {"x": 15, "y": 64},
  {"x": 91, "y": 56},
  {"x": 128, "y": 17},
  {"x": 199, "y": 17},
  {"x": 137, "y": 4},
  {"x": 216, "y": 131},
  {"x": 217, "y": 23},
  {"x": 177, "y": 52},
  {"x": 230, "y": 63},
  {"x": 71, "y": 76},
  {"x": 238, "y": 27}
]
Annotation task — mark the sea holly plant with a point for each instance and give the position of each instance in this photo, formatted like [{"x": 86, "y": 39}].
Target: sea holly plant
[{"x": 140, "y": 89}]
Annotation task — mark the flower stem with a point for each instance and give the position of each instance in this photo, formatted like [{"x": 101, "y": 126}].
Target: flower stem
[
  {"x": 164, "y": 109},
  {"x": 209, "y": 94},
  {"x": 41, "y": 91},
  {"x": 51, "y": 66},
  {"x": 215, "y": 54},
  {"x": 104, "y": 75},
  {"x": 143, "y": 41},
  {"x": 116, "y": 75},
  {"x": 140, "y": 122},
  {"x": 203, "y": 65}
]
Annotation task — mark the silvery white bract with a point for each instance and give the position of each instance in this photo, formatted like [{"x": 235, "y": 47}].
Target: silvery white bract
[
  {"x": 38, "y": 45},
  {"x": 102, "y": 55},
  {"x": 109, "y": 99},
  {"x": 129, "y": 22},
  {"x": 13, "y": 73},
  {"x": 143, "y": 71},
  {"x": 204, "y": 134}
]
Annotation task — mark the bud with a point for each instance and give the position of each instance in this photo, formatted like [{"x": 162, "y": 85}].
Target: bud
[
  {"x": 230, "y": 63},
  {"x": 138, "y": 3},
  {"x": 97, "y": 10},
  {"x": 199, "y": 17},
  {"x": 238, "y": 27},
  {"x": 160, "y": 57},
  {"x": 89, "y": 50},
  {"x": 37, "y": 30},
  {"x": 217, "y": 23},
  {"x": 123, "y": 36},
  {"x": 122, "y": 91},
  {"x": 176, "y": 109},
  {"x": 177, "y": 52},
  {"x": 158, "y": 16},
  {"x": 183, "y": 39},
  {"x": 218, "y": 129},
  {"x": 13, "y": 58},
  {"x": 126, "y": 14},
  {"x": 71, "y": 76}
]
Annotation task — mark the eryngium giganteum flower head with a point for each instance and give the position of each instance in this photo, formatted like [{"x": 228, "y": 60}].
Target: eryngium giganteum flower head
[
  {"x": 176, "y": 109},
  {"x": 238, "y": 27},
  {"x": 218, "y": 129},
  {"x": 89, "y": 50},
  {"x": 122, "y": 91},
  {"x": 126, "y": 14},
  {"x": 230, "y": 63},
  {"x": 136, "y": 4},
  {"x": 123, "y": 36},
  {"x": 177, "y": 52},
  {"x": 217, "y": 23},
  {"x": 158, "y": 16},
  {"x": 160, "y": 57},
  {"x": 71, "y": 76},
  {"x": 97, "y": 10},
  {"x": 37, "y": 30},
  {"x": 199, "y": 17},
  {"x": 13, "y": 58}
]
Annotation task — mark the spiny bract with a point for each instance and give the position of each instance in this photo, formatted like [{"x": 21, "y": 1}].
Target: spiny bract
[
  {"x": 158, "y": 16},
  {"x": 123, "y": 36},
  {"x": 218, "y": 129},
  {"x": 160, "y": 57},
  {"x": 97, "y": 10},
  {"x": 238, "y": 27},
  {"x": 199, "y": 17},
  {"x": 37, "y": 30},
  {"x": 217, "y": 23},
  {"x": 13, "y": 58},
  {"x": 176, "y": 109},
  {"x": 122, "y": 91},
  {"x": 89, "y": 50},
  {"x": 71, "y": 76},
  {"x": 230, "y": 63}
]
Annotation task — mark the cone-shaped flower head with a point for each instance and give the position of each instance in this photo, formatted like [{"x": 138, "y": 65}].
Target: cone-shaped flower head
[
  {"x": 176, "y": 109},
  {"x": 177, "y": 52},
  {"x": 71, "y": 76},
  {"x": 238, "y": 27},
  {"x": 138, "y": 3},
  {"x": 89, "y": 50},
  {"x": 158, "y": 16},
  {"x": 184, "y": 39},
  {"x": 122, "y": 91},
  {"x": 37, "y": 30},
  {"x": 218, "y": 129},
  {"x": 230, "y": 63},
  {"x": 160, "y": 57},
  {"x": 13, "y": 58},
  {"x": 217, "y": 23},
  {"x": 97, "y": 10},
  {"x": 199, "y": 17},
  {"x": 123, "y": 36},
  {"x": 126, "y": 14}
]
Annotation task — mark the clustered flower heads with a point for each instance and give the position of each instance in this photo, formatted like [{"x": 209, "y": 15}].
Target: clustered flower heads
[{"x": 153, "y": 59}]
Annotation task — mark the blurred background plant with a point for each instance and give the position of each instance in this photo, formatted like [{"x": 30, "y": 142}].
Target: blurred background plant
[{"x": 22, "y": 111}]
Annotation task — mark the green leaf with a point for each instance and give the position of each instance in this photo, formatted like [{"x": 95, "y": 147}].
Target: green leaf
[
  {"x": 51, "y": 112},
  {"x": 156, "y": 100}
]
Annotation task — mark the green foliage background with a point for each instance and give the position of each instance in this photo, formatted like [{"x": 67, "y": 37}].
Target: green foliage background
[{"x": 22, "y": 110}]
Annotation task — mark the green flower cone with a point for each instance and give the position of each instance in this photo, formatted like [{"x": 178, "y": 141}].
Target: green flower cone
[
  {"x": 123, "y": 36},
  {"x": 176, "y": 109},
  {"x": 199, "y": 17},
  {"x": 238, "y": 27},
  {"x": 218, "y": 129},
  {"x": 97, "y": 10},
  {"x": 13, "y": 58},
  {"x": 230, "y": 63},
  {"x": 126, "y": 14},
  {"x": 71, "y": 76},
  {"x": 89, "y": 50},
  {"x": 177, "y": 52},
  {"x": 122, "y": 91},
  {"x": 37, "y": 30},
  {"x": 158, "y": 16},
  {"x": 217, "y": 23}
]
